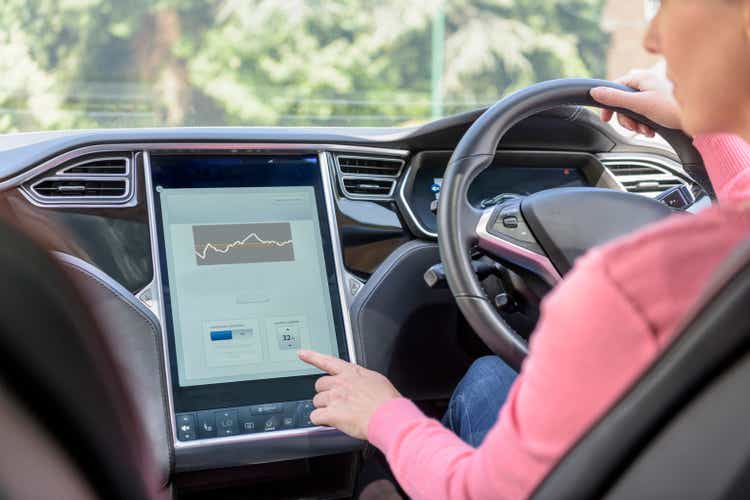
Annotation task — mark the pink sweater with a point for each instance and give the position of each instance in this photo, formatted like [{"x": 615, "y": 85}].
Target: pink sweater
[{"x": 599, "y": 330}]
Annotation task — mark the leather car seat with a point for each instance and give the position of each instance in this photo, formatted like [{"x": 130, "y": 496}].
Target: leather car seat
[
  {"x": 681, "y": 431},
  {"x": 69, "y": 422}
]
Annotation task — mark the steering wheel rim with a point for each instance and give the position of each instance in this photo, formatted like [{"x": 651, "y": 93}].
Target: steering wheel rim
[{"x": 458, "y": 219}]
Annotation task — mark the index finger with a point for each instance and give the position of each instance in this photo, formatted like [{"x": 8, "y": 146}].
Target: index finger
[
  {"x": 327, "y": 363},
  {"x": 632, "y": 79},
  {"x": 607, "y": 114}
]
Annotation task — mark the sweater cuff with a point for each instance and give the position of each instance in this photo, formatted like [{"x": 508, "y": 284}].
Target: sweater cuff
[
  {"x": 725, "y": 156},
  {"x": 385, "y": 424}
]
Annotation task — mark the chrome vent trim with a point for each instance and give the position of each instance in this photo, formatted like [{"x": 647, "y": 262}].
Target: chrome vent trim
[
  {"x": 110, "y": 166},
  {"x": 365, "y": 187},
  {"x": 646, "y": 175},
  {"x": 101, "y": 181},
  {"x": 78, "y": 187},
  {"x": 369, "y": 166},
  {"x": 365, "y": 177}
]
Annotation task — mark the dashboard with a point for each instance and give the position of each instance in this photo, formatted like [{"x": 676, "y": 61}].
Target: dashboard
[{"x": 244, "y": 245}]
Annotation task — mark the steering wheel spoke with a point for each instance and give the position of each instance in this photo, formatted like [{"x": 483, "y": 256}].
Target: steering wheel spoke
[{"x": 502, "y": 232}]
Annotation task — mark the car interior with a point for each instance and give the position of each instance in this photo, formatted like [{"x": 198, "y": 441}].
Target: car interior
[{"x": 159, "y": 282}]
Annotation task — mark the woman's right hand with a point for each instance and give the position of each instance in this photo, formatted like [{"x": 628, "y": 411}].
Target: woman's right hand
[{"x": 655, "y": 101}]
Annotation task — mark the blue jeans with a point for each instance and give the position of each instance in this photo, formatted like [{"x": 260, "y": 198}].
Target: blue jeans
[{"x": 476, "y": 402}]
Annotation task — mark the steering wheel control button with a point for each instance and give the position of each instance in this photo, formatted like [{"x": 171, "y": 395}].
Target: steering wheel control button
[
  {"x": 507, "y": 223},
  {"x": 226, "y": 422},
  {"x": 206, "y": 424},
  {"x": 510, "y": 222},
  {"x": 513, "y": 227},
  {"x": 185, "y": 427},
  {"x": 505, "y": 303}
]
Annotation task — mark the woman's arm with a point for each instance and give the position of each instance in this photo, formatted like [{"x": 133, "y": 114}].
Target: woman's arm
[{"x": 579, "y": 361}]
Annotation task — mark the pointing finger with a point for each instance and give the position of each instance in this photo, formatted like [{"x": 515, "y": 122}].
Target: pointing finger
[{"x": 328, "y": 364}]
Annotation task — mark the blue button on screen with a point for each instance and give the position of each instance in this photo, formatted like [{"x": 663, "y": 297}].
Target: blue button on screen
[{"x": 221, "y": 335}]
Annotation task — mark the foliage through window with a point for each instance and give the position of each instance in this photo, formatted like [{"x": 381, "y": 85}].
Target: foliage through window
[{"x": 132, "y": 63}]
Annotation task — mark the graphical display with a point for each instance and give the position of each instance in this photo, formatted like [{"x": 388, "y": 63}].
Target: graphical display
[{"x": 243, "y": 243}]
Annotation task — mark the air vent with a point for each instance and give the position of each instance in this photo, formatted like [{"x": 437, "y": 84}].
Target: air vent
[
  {"x": 91, "y": 181},
  {"x": 363, "y": 177},
  {"x": 100, "y": 166},
  {"x": 369, "y": 187},
  {"x": 64, "y": 188},
  {"x": 642, "y": 176},
  {"x": 650, "y": 187},
  {"x": 362, "y": 165}
]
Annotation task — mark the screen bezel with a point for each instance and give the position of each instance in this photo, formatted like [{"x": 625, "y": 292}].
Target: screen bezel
[{"x": 242, "y": 393}]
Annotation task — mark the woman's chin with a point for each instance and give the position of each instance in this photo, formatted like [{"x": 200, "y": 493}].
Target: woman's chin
[
  {"x": 701, "y": 126},
  {"x": 693, "y": 129}
]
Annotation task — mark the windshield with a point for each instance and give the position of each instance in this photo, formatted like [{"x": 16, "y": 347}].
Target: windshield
[{"x": 138, "y": 63}]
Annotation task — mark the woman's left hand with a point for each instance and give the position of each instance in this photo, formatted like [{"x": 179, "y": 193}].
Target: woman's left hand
[{"x": 348, "y": 396}]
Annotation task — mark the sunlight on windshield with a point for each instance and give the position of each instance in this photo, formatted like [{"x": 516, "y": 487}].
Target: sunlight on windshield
[{"x": 138, "y": 63}]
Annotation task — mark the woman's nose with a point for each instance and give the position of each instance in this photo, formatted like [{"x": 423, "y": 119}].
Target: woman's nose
[{"x": 651, "y": 40}]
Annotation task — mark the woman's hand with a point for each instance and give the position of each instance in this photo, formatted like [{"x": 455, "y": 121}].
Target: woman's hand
[
  {"x": 655, "y": 101},
  {"x": 347, "y": 397}
]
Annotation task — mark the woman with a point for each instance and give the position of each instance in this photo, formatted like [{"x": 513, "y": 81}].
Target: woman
[{"x": 611, "y": 316}]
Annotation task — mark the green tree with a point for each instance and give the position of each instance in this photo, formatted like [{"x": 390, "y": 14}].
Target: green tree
[
  {"x": 89, "y": 63},
  {"x": 271, "y": 62}
]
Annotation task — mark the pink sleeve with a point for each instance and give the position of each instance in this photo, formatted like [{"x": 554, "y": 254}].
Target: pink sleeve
[
  {"x": 727, "y": 158},
  {"x": 579, "y": 362}
]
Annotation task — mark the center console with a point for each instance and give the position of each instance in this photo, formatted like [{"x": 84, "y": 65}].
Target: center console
[{"x": 247, "y": 271}]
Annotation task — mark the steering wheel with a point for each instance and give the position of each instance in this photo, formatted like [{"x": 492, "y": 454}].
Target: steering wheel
[{"x": 544, "y": 232}]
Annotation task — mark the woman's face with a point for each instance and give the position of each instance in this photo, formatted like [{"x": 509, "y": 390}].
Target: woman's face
[{"x": 706, "y": 44}]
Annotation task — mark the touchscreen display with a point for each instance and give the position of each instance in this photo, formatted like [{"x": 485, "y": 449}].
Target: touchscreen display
[
  {"x": 248, "y": 282},
  {"x": 247, "y": 274}
]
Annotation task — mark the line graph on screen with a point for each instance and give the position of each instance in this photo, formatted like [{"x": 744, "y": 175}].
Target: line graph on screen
[{"x": 243, "y": 243}]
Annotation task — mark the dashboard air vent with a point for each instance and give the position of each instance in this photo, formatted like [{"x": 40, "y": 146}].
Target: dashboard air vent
[
  {"x": 369, "y": 187},
  {"x": 94, "y": 180},
  {"x": 360, "y": 165},
  {"x": 104, "y": 188},
  {"x": 363, "y": 177},
  {"x": 643, "y": 176},
  {"x": 100, "y": 166}
]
